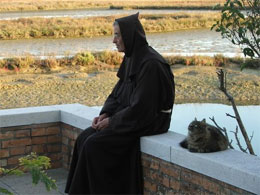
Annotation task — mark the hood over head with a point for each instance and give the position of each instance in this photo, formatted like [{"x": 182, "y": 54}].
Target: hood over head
[
  {"x": 132, "y": 33},
  {"x": 137, "y": 50}
]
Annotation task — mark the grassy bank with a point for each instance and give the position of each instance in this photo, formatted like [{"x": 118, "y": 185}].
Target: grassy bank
[
  {"x": 98, "y": 26},
  {"x": 21, "y": 5},
  {"x": 100, "y": 61}
]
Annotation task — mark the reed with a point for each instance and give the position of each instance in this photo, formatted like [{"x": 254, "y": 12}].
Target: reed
[
  {"x": 99, "y": 26},
  {"x": 108, "y": 60},
  {"x": 21, "y": 5}
]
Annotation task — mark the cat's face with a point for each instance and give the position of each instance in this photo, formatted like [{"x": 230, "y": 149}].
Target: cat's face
[{"x": 196, "y": 127}]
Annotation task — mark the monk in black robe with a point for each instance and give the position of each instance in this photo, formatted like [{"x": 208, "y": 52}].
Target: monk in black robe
[{"x": 106, "y": 157}]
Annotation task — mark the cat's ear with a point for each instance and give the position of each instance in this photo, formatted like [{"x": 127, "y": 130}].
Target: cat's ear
[{"x": 203, "y": 120}]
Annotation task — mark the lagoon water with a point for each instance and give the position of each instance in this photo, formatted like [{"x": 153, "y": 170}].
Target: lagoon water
[
  {"x": 184, "y": 42},
  {"x": 81, "y": 13},
  {"x": 183, "y": 114}
]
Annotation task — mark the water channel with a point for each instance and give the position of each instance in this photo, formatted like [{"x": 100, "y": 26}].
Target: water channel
[
  {"x": 183, "y": 114},
  {"x": 81, "y": 13},
  {"x": 184, "y": 42}
]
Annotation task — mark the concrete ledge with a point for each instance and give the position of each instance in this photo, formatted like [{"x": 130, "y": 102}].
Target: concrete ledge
[{"x": 230, "y": 166}]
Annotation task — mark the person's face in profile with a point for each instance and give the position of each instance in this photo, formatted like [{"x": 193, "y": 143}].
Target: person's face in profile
[{"x": 117, "y": 40}]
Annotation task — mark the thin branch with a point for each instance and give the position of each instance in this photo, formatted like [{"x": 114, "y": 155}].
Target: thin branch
[
  {"x": 10, "y": 171},
  {"x": 222, "y": 79},
  {"x": 227, "y": 114},
  {"x": 238, "y": 140},
  {"x": 224, "y": 130}
]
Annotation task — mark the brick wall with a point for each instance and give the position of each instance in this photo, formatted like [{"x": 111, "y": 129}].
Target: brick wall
[
  {"x": 161, "y": 177},
  {"x": 56, "y": 140},
  {"x": 44, "y": 139}
]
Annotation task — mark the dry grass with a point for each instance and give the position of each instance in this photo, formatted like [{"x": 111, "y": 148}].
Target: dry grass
[
  {"x": 18, "y": 5},
  {"x": 98, "y": 26},
  {"x": 107, "y": 60}
]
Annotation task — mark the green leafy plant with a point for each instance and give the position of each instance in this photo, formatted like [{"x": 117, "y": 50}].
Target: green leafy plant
[
  {"x": 240, "y": 23},
  {"x": 35, "y": 165}
]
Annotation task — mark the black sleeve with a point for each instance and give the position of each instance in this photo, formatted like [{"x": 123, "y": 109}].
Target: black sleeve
[{"x": 111, "y": 104}]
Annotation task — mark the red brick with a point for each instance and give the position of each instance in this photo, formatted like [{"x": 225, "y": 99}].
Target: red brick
[
  {"x": 154, "y": 175},
  {"x": 39, "y": 140},
  {"x": 6, "y": 135},
  {"x": 16, "y": 151},
  {"x": 38, "y": 131},
  {"x": 234, "y": 189},
  {"x": 175, "y": 185},
  {"x": 65, "y": 158},
  {"x": 54, "y": 148},
  {"x": 66, "y": 126},
  {"x": 188, "y": 188},
  {"x": 22, "y": 133},
  {"x": 14, "y": 128},
  {"x": 28, "y": 149},
  {"x": 150, "y": 186},
  {"x": 45, "y": 125},
  {"x": 154, "y": 165},
  {"x": 17, "y": 142},
  {"x": 57, "y": 164},
  {"x": 210, "y": 186},
  {"x": 170, "y": 171},
  {"x": 54, "y": 139},
  {"x": 55, "y": 157},
  {"x": 39, "y": 149},
  {"x": 65, "y": 149},
  {"x": 72, "y": 143},
  {"x": 13, "y": 160},
  {"x": 4, "y": 153},
  {"x": 192, "y": 177},
  {"x": 65, "y": 140},
  {"x": 166, "y": 182},
  {"x": 53, "y": 130},
  {"x": 145, "y": 162},
  {"x": 68, "y": 134}
]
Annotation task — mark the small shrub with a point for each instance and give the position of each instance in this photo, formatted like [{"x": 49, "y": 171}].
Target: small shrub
[
  {"x": 172, "y": 60},
  {"x": 85, "y": 58},
  {"x": 108, "y": 57},
  {"x": 220, "y": 60}
]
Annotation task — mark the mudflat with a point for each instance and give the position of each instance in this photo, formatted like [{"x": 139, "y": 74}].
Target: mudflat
[{"x": 193, "y": 84}]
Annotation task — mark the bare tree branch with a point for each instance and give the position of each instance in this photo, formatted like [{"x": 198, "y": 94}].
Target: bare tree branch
[
  {"x": 227, "y": 114},
  {"x": 224, "y": 130},
  {"x": 238, "y": 140},
  {"x": 222, "y": 79}
]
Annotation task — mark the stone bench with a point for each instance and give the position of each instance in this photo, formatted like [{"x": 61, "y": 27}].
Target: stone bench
[{"x": 167, "y": 168}]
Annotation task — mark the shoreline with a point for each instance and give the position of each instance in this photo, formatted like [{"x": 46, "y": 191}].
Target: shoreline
[{"x": 194, "y": 84}]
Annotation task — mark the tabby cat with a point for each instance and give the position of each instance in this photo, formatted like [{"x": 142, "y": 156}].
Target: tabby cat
[{"x": 203, "y": 137}]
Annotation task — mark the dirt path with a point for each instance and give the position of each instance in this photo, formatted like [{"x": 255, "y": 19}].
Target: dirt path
[{"x": 193, "y": 84}]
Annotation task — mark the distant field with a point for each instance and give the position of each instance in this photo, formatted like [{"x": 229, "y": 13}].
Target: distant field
[{"x": 19, "y": 5}]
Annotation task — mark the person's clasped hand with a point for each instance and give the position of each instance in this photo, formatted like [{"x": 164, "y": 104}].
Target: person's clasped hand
[{"x": 101, "y": 122}]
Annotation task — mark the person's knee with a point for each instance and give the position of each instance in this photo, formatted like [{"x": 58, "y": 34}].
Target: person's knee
[
  {"x": 91, "y": 145},
  {"x": 83, "y": 136}
]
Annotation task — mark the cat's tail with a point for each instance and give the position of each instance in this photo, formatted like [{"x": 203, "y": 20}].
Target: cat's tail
[{"x": 184, "y": 143}]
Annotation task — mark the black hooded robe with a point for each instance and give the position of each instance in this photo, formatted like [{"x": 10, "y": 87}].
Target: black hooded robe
[{"x": 108, "y": 161}]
